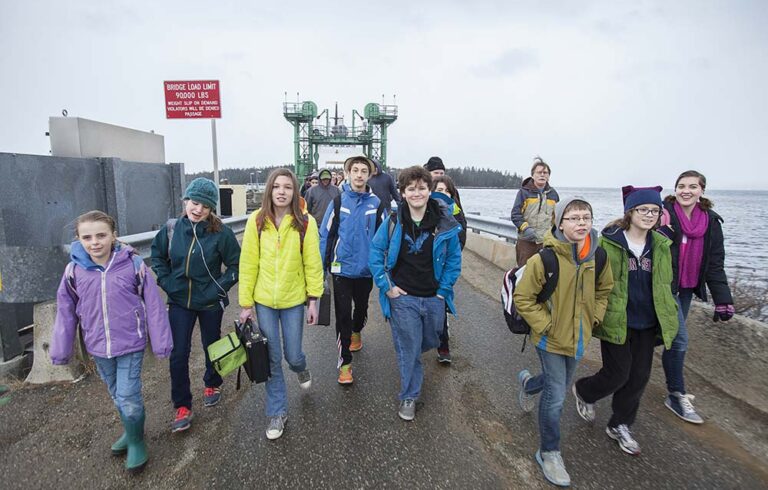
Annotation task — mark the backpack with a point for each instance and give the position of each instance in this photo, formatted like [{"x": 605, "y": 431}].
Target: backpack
[
  {"x": 138, "y": 266},
  {"x": 333, "y": 233},
  {"x": 517, "y": 323}
]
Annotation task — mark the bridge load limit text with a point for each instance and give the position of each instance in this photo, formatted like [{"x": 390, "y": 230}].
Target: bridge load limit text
[{"x": 192, "y": 99}]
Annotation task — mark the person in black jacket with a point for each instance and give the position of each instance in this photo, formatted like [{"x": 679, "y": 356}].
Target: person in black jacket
[{"x": 697, "y": 258}]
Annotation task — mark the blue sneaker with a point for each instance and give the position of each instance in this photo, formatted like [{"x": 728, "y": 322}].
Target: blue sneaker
[
  {"x": 681, "y": 405},
  {"x": 183, "y": 419},
  {"x": 527, "y": 402}
]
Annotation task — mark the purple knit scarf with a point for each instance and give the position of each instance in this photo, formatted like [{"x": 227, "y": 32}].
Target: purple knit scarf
[{"x": 692, "y": 244}]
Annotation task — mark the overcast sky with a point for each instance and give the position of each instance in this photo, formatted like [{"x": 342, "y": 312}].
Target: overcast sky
[{"x": 608, "y": 92}]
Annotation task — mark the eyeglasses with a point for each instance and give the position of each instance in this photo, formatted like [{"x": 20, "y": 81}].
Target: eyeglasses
[
  {"x": 648, "y": 211},
  {"x": 576, "y": 219}
]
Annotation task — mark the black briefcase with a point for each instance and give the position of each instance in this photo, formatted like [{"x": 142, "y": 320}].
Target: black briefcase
[
  {"x": 324, "y": 303},
  {"x": 257, "y": 353}
]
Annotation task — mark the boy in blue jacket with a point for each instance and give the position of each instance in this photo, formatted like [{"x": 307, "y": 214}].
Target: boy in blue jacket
[
  {"x": 344, "y": 243},
  {"x": 415, "y": 259}
]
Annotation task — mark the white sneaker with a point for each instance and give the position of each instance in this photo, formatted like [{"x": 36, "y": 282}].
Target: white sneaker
[
  {"x": 586, "y": 410},
  {"x": 527, "y": 402},
  {"x": 276, "y": 427},
  {"x": 553, "y": 467},
  {"x": 623, "y": 436}
]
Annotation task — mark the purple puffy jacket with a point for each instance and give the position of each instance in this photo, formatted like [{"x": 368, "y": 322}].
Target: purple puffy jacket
[{"x": 114, "y": 317}]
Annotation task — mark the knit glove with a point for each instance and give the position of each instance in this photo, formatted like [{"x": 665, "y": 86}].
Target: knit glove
[{"x": 723, "y": 313}]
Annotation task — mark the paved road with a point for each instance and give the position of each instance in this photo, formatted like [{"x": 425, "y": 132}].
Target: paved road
[{"x": 469, "y": 432}]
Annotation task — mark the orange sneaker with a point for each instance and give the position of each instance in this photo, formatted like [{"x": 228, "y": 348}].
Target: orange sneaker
[
  {"x": 345, "y": 375},
  {"x": 357, "y": 342}
]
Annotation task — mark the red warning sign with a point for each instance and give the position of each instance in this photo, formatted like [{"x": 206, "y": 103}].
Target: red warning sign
[{"x": 195, "y": 99}]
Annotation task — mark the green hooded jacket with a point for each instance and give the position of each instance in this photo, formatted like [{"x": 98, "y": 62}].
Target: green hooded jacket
[{"x": 614, "y": 326}]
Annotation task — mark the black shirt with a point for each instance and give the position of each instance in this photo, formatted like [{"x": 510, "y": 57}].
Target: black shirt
[{"x": 414, "y": 271}]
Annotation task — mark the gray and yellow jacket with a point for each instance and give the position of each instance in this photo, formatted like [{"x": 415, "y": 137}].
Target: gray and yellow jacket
[
  {"x": 563, "y": 325},
  {"x": 534, "y": 208}
]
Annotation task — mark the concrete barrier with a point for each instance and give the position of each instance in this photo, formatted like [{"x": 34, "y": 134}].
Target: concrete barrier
[
  {"x": 729, "y": 355},
  {"x": 43, "y": 371}
]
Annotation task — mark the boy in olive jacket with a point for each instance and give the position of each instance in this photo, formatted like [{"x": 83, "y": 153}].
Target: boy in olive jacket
[{"x": 561, "y": 327}]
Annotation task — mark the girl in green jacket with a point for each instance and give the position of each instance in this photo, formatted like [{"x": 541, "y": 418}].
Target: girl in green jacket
[{"x": 641, "y": 308}]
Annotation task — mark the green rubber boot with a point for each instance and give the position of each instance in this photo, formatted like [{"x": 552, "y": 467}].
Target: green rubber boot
[
  {"x": 137, "y": 449},
  {"x": 121, "y": 445}
]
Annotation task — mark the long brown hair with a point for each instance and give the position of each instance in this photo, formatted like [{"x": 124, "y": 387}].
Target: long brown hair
[
  {"x": 267, "y": 211},
  {"x": 704, "y": 203},
  {"x": 449, "y": 185}
]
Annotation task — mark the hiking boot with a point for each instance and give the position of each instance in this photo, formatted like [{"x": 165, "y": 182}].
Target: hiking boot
[
  {"x": 345, "y": 375},
  {"x": 586, "y": 410},
  {"x": 137, "y": 450},
  {"x": 211, "y": 396},
  {"x": 681, "y": 405},
  {"x": 183, "y": 419},
  {"x": 356, "y": 343},
  {"x": 623, "y": 436},
  {"x": 305, "y": 379},
  {"x": 443, "y": 356},
  {"x": 527, "y": 402},
  {"x": 553, "y": 467},
  {"x": 407, "y": 410},
  {"x": 276, "y": 427}
]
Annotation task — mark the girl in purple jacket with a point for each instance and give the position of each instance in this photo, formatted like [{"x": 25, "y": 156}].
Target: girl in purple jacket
[{"x": 106, "y": 290}]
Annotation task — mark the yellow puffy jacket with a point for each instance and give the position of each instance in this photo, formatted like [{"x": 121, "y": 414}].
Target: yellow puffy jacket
[{"x": 273, "y": 271}]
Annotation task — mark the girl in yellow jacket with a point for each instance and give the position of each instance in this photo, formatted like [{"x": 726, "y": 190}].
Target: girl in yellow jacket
[{"x": 280, "y": 270}]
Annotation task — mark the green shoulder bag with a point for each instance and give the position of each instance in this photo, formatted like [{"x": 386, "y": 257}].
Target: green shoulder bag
[{"x": 227, "y": 354}]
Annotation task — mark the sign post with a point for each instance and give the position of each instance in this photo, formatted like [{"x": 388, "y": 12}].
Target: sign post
[{"x": 196, "y": 99}]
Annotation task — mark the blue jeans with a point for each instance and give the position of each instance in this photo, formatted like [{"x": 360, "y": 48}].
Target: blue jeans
[
  {"x": 416, "y": 327},
  {"x": 291, "y": 322},
  {"x": 552, "y": 383},
  {"x": 182, "y": 325},
  {"x": 673, "y": 359},
  {"x": 122, "y": 375}
]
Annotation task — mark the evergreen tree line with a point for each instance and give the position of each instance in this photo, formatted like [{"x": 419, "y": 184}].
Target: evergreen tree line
[{"x": 462, "y": 177}]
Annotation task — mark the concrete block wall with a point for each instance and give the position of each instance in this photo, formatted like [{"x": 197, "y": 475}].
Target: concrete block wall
[{"x": 41, "y": 196}]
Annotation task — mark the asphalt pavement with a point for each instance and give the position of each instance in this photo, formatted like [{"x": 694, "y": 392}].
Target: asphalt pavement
[{"x": 468, "y": 431}]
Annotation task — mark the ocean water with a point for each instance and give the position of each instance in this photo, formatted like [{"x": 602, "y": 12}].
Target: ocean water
[{"x": 745, "y": 213}]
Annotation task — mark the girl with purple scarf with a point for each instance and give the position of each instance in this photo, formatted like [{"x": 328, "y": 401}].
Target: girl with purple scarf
[{"x": 697, "y": 257}]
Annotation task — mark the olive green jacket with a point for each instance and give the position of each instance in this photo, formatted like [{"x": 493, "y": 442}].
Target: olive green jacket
[{"x": 614, "y": 326}]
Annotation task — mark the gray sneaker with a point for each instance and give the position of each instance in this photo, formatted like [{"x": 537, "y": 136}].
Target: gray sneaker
[
  {"x": 681, "y": 405},
  {"x": 305, "y": 379},
  {"x": 527, "y": 402},
  {"x": 623, "y": 436},
  {"x": 407, "y": 409},
  {"x": 586, "y": 410},
  {"x": 553, "y": 467},
  {"x": 276, "y": 427}
]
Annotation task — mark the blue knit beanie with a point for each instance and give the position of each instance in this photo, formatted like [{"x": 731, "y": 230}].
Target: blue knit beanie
[
  {"x": 635, "y": 196},
  {"x": 204, "y": 191}
]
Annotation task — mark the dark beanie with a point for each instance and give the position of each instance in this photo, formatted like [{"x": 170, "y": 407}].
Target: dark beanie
[
  {"x": 204, "y": 191},
  {"x": 434, "y": 163},
  {"x": 635, "y": 196}
]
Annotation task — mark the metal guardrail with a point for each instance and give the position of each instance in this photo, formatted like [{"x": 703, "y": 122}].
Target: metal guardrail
[
  {"x": 142, "y": 242},
  {"x": 494, "y": 226}
]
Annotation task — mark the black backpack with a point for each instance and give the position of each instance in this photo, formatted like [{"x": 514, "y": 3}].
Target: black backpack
[{"x": 515, "y": 322}]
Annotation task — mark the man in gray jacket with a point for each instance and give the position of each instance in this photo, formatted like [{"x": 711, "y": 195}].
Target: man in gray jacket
[{"x": 320, "y": 196}]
